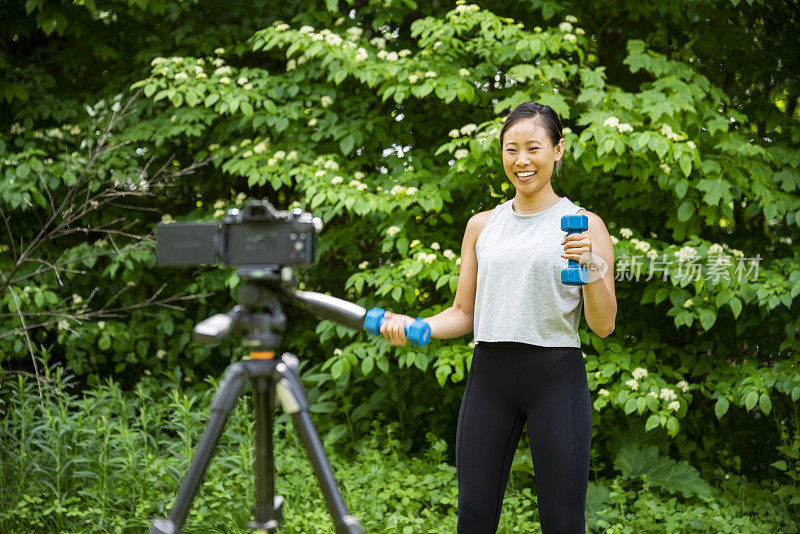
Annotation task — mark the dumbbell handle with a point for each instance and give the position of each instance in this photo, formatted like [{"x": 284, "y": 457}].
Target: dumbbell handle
[{"x": 418, "y": 332}]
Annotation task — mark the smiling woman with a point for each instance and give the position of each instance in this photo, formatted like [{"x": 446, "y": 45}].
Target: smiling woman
[{"x": 527, "y": 366}]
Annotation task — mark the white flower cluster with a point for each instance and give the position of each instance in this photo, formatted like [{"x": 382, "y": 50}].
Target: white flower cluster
[
  {"x": 363, "y": 265},
  {"x": 354, "y": 33},
  {"x": 686, "y": 253},
  {"x": 306, "y": 30},
  {"x": 325, "y": 101},
  {"x": 436, "y": 246},
  {"x": 461, "y": 153},
  {"x": 468, "y": 129},
  {"x": 388, "y": 56},
  {"x": 653, "y": 394},
  {"x": 463, "y": 72},
  {"x": 281, "y": 26},
  {"x": 426, "y": 258},
  {"x": 622, "y": 127},
  {"x": 632, "y": 383},
  {"x": 715, "y": 249},
  {"x": 415, "y": 243},
  {"x": 625, "y": 233},
  {"x": 361, "y": 54},
  {"x": 690, "y": 145},
  {"x": 683, "y": 385},
  {"x": 337, "y": 180},
  {"x": 222, "y": 71},
  {"x": 639, "y": 373},
  {"x": 181, "y": 76},
  {"x": 399, "y": 189},
  {"x": 259, "y": 148},
  {"x": 393, "y": 231},
  {"x": 674, "y": 406},
  {"x": 454, "y": 133},
  {"x": 337, "y": 352},
  {"x": 603, "y": 392},
  {"x": 333, "y": 39},
  {"x": 378, "y": 42},
  {"x": 571, "y": 18},
  {"x": 642, "y": 246},
  {"x": 565, "y": 27},
  {"x": 614, "y": 240},
  {"x": 358, "y": 185},
  {"x": 449, "y": 254},
  {"x": 666, "y": 131},
  {"x": 570, "y": 38},
  {"x": 667, "y": 394},
  {"x": 465, "y": 8},
  {"x": 218, "y": 62}
]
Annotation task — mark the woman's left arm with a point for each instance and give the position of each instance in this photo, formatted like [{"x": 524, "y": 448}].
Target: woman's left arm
[{"x": 599, "y": 299}]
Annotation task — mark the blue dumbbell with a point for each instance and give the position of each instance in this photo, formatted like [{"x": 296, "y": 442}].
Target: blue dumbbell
[
  {"x": 418, "y": 332},
  {"x": 574, "y": 274}
]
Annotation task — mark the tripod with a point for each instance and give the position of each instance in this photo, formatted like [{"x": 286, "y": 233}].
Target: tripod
[{"x": 270, "y": 377}]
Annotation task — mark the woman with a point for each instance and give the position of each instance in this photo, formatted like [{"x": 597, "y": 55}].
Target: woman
[{"x": 527, "y": 364}]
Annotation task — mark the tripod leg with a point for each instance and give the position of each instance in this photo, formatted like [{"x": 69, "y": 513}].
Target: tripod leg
[
  {"x": 228, "y": 393},
  {"x": 267, "y": 510},
  {"x": 293, "y": 399}
]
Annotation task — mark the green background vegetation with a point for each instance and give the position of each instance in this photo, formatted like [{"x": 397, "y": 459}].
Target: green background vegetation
[{"x": 382, "y": 118}]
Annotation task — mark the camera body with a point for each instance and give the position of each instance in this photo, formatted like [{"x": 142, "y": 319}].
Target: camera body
[{"x": 258, "y": 234}]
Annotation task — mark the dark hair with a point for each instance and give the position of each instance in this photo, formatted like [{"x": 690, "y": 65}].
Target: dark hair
[{"x": 531, "y": 110}]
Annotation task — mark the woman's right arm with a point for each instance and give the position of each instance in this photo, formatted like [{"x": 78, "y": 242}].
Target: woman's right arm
[{"x": 456, "y": 320}]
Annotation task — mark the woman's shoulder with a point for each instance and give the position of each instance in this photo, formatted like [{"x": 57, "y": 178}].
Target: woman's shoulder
[{"x": 477, "y": 222}]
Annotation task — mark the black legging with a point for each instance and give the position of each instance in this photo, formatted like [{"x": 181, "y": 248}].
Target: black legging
[{"x": 511, "y": 383}]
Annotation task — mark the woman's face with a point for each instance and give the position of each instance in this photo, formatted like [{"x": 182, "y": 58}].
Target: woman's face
[{"x": 529, "y": 156}]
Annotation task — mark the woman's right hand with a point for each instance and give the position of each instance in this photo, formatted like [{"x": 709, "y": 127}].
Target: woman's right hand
[{"x": 393, "y": 328}]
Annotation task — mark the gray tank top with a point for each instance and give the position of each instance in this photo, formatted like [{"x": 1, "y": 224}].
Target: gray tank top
[{"x": 519, "y": 295}]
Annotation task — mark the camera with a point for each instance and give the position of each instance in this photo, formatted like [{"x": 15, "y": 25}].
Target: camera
[{"x": 258, "y": 234}]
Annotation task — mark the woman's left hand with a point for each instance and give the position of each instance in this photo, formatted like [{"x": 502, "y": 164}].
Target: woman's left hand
[{"x": 576, "y": 245}]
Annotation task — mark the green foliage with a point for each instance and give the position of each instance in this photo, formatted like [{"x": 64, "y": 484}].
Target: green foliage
[
  {"x": 383, "y": 119},
  {"x": 108, "y": 460},
  {"x": 674, "y": 477}
]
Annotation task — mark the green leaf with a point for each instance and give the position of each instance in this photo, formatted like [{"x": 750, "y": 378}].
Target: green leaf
[
  {"x": 685, "y": 211},
  {"x": 736, "y": 306},
  {"x": 347, "y": 144},
  {"x": 765, "y": 403},
  {"x": 780, "y": 465},
  {"x": 717, "y": 190},
  {"x": 104, "y": 343},
  {"x": 686, "y": 164},
  {"x": 630, "y": 405},
  {"x": 337, "y": 369},
  {"x": 680, "y": 189},
  {"x": 664, "y": 472},
  {"x": 367, "y": 365},
  {"x": 652, "y": 422},
  {"x": 751, "y": 400},
  {"x": 707, "y": 318},
  {"x": 721, "y": 407}
]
